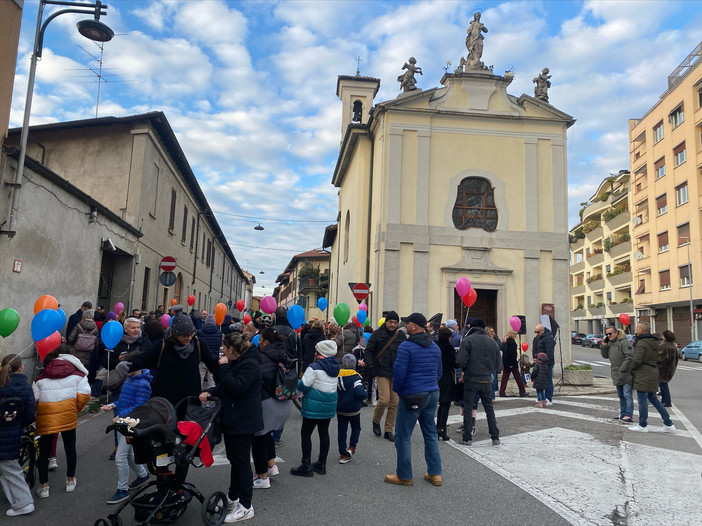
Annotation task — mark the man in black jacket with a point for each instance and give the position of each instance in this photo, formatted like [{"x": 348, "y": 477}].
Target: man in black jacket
[
  {"x": 292, "y": 339},
  {"x": 543, "y": 342},
  {"x": 76, "y": 317},
  {"x": 478, "y": 357},
  {"x": 380, "y": 355}
]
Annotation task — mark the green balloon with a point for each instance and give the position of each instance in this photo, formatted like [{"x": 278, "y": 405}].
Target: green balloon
[
  {"x": 367, "y": 322},
  {"x": 341, "y": 313},
  {"x": 9, "y": 320}
]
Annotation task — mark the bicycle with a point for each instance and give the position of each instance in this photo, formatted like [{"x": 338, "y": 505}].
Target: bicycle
[{"x": 29, "y": 454}]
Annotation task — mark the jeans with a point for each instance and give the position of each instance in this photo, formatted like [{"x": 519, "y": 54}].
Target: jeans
[
  {"x": 124, "y": 460},
  {"x": 308, "y": 425},
  {"x": 549, "y": 388},
  {"x": 643, "y": 398},
  {"x": 470, "y": 390},
  {"x": 626, "y": 400},
  {"x": 541, "y": 395},
  {"x": 404, "y": 425},
  {"x": 493, "y": 383},
  {"x": 665, "y": 393},
  {"x": 343, "y": 422},
  {"x": 238, "y": 453}
]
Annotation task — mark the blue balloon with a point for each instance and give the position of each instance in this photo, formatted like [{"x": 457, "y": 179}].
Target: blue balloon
[
  {"x": 322, "y": 304},
  {"x": 111, "y": 334},
  {"x": 361, "y": 316},
  {"x": 296, "y": 316},
  {"x": 45, "y": 323},
  {"x": 255, "y": 339},
  {"x": 62, "y": 321}
]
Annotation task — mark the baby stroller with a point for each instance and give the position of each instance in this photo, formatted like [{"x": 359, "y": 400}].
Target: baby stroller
[{"x": 160, "y": 445}]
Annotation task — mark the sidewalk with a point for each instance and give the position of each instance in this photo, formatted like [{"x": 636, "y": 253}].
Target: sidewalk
[{"x": 600, "y": 386}]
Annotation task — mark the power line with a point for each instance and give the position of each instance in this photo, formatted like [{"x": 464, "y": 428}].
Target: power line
[
  {"x": 257, "y": 218},
  {"x": 264, "y": 248}
]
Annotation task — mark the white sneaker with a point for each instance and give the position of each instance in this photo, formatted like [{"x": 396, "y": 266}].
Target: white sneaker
[
  {"x": 231, "y": 504},
  {"x": 24, "y": 510},
  {"x": 71, "y": 485},
  {"x": 239, "y": 514},
  {"x": 638, "y": 428},
  {"x": 42, "y": 492},
  {"x": 669, "y": 429},
  {"x": 53, "y": 465},
  {"x": 260, "y": 483},
  {"x": 549, "y": 403},
  {"x": 273, "y": 471}
]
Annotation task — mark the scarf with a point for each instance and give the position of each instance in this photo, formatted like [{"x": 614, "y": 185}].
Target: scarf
[
  {"x": 184, "y": 350},
  {"x": 129, "y": 340}
]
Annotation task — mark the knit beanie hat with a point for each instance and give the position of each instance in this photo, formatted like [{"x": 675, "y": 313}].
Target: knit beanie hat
[
  {"x": 111, "y": 316},
  {"x": 542, "y": 357},
  {"x": 182, "y": 325},
  {"x": 326, "y": 348},
  {"x": 392, "y": 315},
  {"x": 88, "y": 314},
  {"x": 210, "y": 320},
  {"x": 451, "y": 324},
  {"x": 348, "y": 361}
]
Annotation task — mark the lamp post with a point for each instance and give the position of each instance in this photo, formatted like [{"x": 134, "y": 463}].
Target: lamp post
[{"x": 92, "y": 29}]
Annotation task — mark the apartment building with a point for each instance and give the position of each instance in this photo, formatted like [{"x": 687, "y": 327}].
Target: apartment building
[
  {"x": 601, "y": 279},
  {"x": 666, "y": 157}
]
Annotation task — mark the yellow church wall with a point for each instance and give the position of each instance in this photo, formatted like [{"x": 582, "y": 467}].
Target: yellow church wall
[
  {"x": 408, "y": 189},
  {"x": 546, "y": 277},
  {"x": 405, "y": 272},
  {"x": 545, "y": 185}
]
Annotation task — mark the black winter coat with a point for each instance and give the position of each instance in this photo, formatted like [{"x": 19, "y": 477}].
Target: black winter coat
[
  {"x": 544, "y": 344},
  {"x": 376, "y": 342},
  {"x": 312, "y": 338},
  {"x": 273, "y": 354},
  {"x": 212, "y": 336},
  {"x": 239, "y": 389},
  {"x": 509, "y": 354},
  {"x": 177, "y": 377},
  {"x": 448, "y": 370},
  {"x": 10, "y": 434},
  {"x": 111, "y": 359},
  {"x": 539, "y": 375},
  {"x": 293, "y": 345}
]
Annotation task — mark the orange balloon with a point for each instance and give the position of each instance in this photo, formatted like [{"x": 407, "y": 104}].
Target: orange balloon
[
  {"x": 174, "y": 302},
  {"x": 219, "y": 313},
  {"x": 45, "y": 302}
]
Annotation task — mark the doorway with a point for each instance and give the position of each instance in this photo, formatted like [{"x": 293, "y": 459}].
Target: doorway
[{"x": 484, "y": 308}]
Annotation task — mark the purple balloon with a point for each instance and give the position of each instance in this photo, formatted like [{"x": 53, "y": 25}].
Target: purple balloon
[
  {"x": 268, "y": 304},
  {"x": 462, "y": 286},
  {"x": 165, "y": 320}
]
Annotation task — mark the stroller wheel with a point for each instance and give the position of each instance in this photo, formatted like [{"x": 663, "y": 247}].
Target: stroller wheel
[
  {"x": 109, "y": 521},
  {"x": 214, "y": 509}
]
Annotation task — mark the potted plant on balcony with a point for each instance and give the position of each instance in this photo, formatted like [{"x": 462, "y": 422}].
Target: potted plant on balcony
[{"x": 308, "y": 275}]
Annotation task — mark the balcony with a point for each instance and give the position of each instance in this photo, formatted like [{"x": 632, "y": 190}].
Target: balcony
[
  {"x": 597, "y": 259},
  {"x": 595, "y": 234},
  {"x": 579, "y": 313},
  {"x": 618, "y": 222},
  {"x": 576, "y": 290},
  {"x": 622, "y": 308},
  {"x": 620, "y": 279},
  {"x": 621, "y": 248},
  {"x": 309, "y": 284},
  {"x": 578, "y": 267},
  {"x": 596, "y": 311},
  {"x": 598, "y": 284},
  {"x": 578, "y": 245},
  {"x": 595, "y": 208}
]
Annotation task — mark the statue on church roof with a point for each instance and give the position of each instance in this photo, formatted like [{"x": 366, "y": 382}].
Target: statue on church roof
[
  {"x": 542, "y": 84},
  {"x": 474, "y": 43},
  {"x": 407, "y": 80}
]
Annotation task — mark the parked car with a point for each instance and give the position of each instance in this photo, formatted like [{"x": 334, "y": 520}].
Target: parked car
[
  {"x": 577, "y": 338},
  {"x": 592, "y": 340},
  {"x": 692, "y": 350}
]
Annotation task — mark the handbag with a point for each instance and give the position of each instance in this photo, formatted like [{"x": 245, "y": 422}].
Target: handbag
[
  {"x": 286, "y": 382},
  {"x": 415, "y": 401}
]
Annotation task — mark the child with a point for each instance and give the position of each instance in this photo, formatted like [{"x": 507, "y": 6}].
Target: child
[
  {"x": 318, "y": 384},
  {"x": 135, "y": 391},
  {"x": 524, "y": 367},
  {"x": 540, "y": 378},
  {"x": 15, "y": 415},
  {"x": 350, "y": 393}
]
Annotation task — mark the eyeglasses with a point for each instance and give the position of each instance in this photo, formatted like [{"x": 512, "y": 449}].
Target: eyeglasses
[{"x": 609, "y": 333}]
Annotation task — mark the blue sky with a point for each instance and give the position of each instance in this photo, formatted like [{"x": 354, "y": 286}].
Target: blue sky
[{"x": 249, "y": 87}]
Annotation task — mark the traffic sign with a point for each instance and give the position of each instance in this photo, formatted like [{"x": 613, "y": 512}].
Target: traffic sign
[
  {"x": 168, "y": 264},
  {"x": 167, "y": 279},
  {"x": 360, "y": 290}
]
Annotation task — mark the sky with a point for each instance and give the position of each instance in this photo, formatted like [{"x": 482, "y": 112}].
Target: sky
[{"x": 250, "y": 88}]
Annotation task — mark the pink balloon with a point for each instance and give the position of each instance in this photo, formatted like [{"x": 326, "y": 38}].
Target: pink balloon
[
  {"x": 119, "y": 307},
  {"x": 462, "y": 286},
  {"x": 515, "y": 323},
  {"x": 165, "y": 320},
  {"x": 363, "y": 306},
  {"x": 268, "y": 304}
]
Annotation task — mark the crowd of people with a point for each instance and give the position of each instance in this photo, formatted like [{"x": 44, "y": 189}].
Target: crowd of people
[{"x": 410, "y": 369}]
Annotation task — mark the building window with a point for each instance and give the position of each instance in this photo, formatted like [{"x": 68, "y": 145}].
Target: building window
[
  {"x": 608, "y": 268},
  {"x": 192, "y": 233},
  {"x": 658, "y": 132},
  {"x": 677, "y": 116},
  {"x": 660, "y": 168},
  {"x": 663, "y": 242},
  {"x": 171, "y": 220},
  {"x": 184, "y": 234},
  {"x": 357, "y": 116},
  {"x": 680, "y": 155},
  {"x": 145, "y": 289},
  {"x": 681, "y": 194},
  {"x": 157, "y": 176},
  {"x": 699, "y": 98},
  {"x": 683, "y": 234},
  {"x": 589, "y": 301},
  {"x": 661, "y": 204},
  {"x": 642, "y": 287},
  {"x": 202, "y": 257},
  {"x": 664, "y": 279},
  {"x": 475, "y": 205},
  {"x": 347, "y": 228},
  {"x": 685, "y": 278},
  {"x": 209, "y": 255},
  {"x": 609, "y": 296}
]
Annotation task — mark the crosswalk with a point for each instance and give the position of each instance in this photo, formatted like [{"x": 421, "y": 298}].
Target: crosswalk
[{"x": 606, "y": 364}]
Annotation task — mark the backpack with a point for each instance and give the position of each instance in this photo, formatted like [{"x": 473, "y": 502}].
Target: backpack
[
  {"x": 11, "y": 409},
  {"x": 286, "y": 382},
  {"x": 85, "y": 341}
]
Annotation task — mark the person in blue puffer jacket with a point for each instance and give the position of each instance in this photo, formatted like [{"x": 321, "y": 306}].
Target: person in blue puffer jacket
[
  {"x": 318, "y": 385},
  {"x": 348, "y": 408},
  {"x": 135, "y": 391},
  {"x": 18, "y": 407}
]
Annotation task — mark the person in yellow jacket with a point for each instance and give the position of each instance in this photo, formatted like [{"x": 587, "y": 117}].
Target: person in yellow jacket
[{"x": 61, "y": 392}]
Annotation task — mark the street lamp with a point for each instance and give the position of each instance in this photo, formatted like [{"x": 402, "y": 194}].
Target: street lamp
[{"x": 92, "y": 29}]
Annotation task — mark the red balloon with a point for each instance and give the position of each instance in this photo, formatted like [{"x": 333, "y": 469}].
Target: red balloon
[
  {"x": 191, "y": 300},
  {"x": 525, "y": 346},
  {"x": 48, "y": 344},
  {"x": 247, "y": 318},
  {"x": 240, "y": 305},
  {"x": 624, "y": 318},
  {"x": 470, "y": 298},
  {"x": 356, "y": 322}
]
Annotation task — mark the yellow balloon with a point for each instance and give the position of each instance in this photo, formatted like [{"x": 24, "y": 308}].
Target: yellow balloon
[{"x": 381, "y": 321}]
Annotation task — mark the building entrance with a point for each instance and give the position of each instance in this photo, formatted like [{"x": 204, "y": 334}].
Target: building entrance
[{"x": 484, "y": 308}]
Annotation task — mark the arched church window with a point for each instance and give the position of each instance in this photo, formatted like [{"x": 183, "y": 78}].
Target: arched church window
[
  {"x": 475, "y": 205},
  {"x": 347, "y": 227},
  {"x": 357, "y": 111}
]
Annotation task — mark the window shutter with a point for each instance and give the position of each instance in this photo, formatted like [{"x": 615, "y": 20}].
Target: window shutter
[
  {"x": 684, "y": 234},
  {"x": 664, "y": 278},
  {"x": 662, "y": 239}
]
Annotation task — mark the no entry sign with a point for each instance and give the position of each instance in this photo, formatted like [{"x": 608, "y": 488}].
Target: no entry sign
[
  {"x": 168, "y": 264},
  {"x": 360, "y": 290}
]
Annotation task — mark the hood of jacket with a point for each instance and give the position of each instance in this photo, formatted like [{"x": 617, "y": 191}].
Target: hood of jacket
[
  {"x": 210, "y": 329},
  {"x": 621, "y": 335},
  {"x": 330, "y": 365},
  {"x": 421, "y": 338},
  {"x": 144, "y": 375},
  {"x": 275, "y": 351},
  {"x": 63, "y": 366},
  {"x": 347, "y": 372}
]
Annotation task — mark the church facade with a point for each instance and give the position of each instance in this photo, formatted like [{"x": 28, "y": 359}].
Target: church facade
[{"x": 460, "y": 180}]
